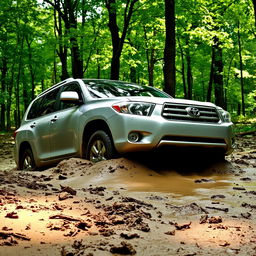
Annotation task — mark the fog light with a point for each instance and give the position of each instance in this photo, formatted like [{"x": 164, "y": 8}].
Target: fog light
[{"x": 133, "y": 136}]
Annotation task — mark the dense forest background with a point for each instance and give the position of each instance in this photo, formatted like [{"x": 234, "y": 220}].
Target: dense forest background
[{"x": 194, "y": 49}]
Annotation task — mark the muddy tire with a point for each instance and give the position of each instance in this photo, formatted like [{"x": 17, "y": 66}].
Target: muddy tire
[
  {"x": 27, "y": 162},
  {"x": 100, "y": 147}
]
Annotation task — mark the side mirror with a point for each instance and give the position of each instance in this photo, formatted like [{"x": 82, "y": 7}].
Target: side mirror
[{"x": 69, "y": 96}]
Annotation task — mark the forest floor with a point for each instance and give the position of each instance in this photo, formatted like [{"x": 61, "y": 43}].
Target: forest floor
[{"x": 130, "y": 206}]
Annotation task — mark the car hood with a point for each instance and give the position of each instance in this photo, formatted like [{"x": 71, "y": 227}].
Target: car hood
[{"x": 157, "y": 100}]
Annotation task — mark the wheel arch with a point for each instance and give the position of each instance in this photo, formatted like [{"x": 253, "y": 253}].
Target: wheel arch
[{"x": 92, "y": 127}]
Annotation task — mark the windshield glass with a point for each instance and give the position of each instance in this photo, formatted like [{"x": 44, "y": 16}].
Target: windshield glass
[{"x": 109, "y": 89}]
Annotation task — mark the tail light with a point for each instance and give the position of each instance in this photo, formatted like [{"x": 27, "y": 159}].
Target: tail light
[{"x": 14, "y": 134}]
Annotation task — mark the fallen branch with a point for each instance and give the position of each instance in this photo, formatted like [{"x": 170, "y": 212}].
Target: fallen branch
[
  {"x": 5, "y": 235},
  {"x": 246, "y": 133},
  {"x": 217, "y": 208},
  {"x": 63, "y": 217}
]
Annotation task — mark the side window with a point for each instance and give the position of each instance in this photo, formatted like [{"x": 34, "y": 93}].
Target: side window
[
  {"x": 74, "y": 88},
  {"x": 34, "y": 110},
  {"x": 49, "y": 103}
]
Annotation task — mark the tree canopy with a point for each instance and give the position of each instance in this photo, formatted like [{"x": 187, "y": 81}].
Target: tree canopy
[{"x": 194, "y": 49}]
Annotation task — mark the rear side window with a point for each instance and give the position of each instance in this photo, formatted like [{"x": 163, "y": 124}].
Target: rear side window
[{"x": 44, "y": 105}]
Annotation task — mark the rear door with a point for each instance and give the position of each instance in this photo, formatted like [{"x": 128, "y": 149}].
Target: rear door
[{"x": 41, "y": 114}]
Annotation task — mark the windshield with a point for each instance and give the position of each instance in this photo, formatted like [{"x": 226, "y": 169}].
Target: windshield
[{"x": 110, "y": 89}]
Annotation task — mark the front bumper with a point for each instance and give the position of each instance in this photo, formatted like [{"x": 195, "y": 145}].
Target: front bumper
[{"x": 155, "y": 131}]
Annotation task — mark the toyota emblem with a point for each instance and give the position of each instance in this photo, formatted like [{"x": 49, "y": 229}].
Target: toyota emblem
[{"x": 193, "y": 112}]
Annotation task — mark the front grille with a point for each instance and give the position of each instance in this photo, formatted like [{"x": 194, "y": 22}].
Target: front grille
[{"x": 194, "y": 113}]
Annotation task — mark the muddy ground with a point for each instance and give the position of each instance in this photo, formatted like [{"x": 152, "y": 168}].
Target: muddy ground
[{"x": 178, "y": 205}]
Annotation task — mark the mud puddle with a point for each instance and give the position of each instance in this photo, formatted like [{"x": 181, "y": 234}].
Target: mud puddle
[
  {"x": 190, "y": 180},
  {"x": 167, "y": 181}
]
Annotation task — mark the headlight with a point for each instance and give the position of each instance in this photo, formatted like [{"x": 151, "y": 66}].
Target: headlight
[
  {"x": 134, "y": 108},
  {"x": 226, "y": 117}
]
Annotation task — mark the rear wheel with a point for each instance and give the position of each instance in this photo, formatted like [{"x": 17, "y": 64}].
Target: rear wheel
[
  {"x": 100, "y": 147},
  {"x": 27, "y": 161}
]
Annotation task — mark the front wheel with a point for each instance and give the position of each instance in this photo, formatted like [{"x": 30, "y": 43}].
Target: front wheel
[
  {"x": 27, "y": 161},
  {"x": 100, "y": 147}
]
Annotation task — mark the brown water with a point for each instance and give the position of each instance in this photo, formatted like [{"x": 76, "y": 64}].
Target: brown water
[{"x": 180, "y": 181}]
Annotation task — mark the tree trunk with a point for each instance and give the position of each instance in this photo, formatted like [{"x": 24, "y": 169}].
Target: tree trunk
[
  {"x": 31, "y": 71},
  {"x": 42, "y": 85},
  {"x": 241, "y": 68},
  {"x": 118, "y": 42},
  {"x": 62, "y": 49},
  {"x": 133, "y": 74},
  {"x": 9, "y": 100},
  {"x": 17, "y": 91},
  {"x": 183, "y": 70},
  {"x": 70, "y": 20},
  {"x": 218, "y": 76},
  {"x": 169, "y": 50},
  {"x": 254, "y": 8},
  {"x": 4, "y": 70},
  {"x": 114, "y": 30},
  {"x": 71, "y": 24},
  {"x": 189, "y": 72},
  {"x": 151, "y": 64},
  {"x": 98, "y": 65},
  {"x": 150, "y": 54},
  {"x": 25, "y": 95},
  {"x": 209, "y": 91}
]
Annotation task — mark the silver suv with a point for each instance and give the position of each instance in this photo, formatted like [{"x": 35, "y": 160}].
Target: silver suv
[{"x": 98, "y": 119}]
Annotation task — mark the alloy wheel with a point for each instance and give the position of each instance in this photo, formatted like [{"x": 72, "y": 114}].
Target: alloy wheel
[{"x": 97, "y": 151}]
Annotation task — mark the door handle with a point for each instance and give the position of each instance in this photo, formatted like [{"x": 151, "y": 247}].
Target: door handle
[
  {"x": 54, "y": 119},
  {"x": 33, "y": 125}
]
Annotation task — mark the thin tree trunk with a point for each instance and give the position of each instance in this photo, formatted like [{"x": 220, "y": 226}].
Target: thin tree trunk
[
  {"x": 183, "y": 70},
  {"x": 31, "y": 71},
  {"x": 9, "y": 100},
  {"x": 98, "y": 65},
  {"x": 189, "y": 72},
  {"x": 25, "y": 95},
  {"x": 150, "y": 54},
  {"x": 241, "y": 68},
  {"x": 133, "y": 74},
  {"x": 18, "y": 114},
  {"x": 209, "y": 91},
  {"x": 3, "y": 92},
  {"x": 169, "y": 50},
  {"x": 151, "y": 68}
]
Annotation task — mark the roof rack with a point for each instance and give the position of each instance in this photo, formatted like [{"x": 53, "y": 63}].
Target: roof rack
[{"x": 60, "y": 83}]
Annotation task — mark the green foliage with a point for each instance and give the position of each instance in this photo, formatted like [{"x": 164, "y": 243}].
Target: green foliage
[
  {"x": 30, "y": 42},
  {"x": 244, "y": 124}
]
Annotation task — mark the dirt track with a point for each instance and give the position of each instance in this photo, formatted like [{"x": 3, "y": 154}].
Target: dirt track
[{"x": 129, "y": 207}]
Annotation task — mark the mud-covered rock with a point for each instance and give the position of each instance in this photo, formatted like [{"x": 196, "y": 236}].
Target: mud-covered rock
[{"x": 124, "y": 249}]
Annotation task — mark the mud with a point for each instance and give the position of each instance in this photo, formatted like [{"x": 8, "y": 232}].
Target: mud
[{"x": 175, "y": 205}]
